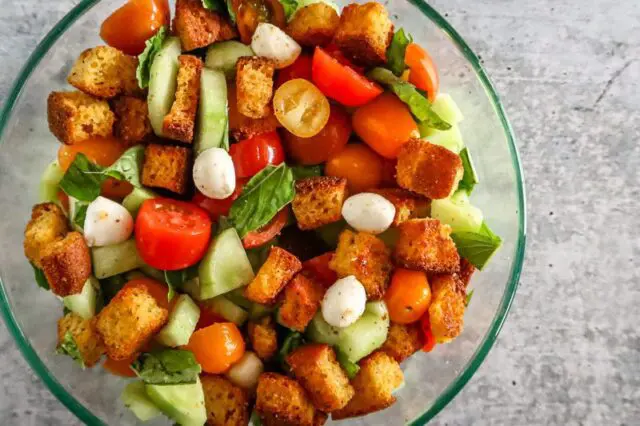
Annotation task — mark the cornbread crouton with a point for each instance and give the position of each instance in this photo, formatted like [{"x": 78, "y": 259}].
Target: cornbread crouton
[
  {"x": 263, "y": 337},
  {"x": 426, "y": 244},
  {"x": 364, "y": 33},
  {"x": 300, "y": 303},
  {"x": 84, "y": 335},
  {"x": 318, "y": 371},
  {"x": 242, "y": 127},
  {"x": 74, "y": 117},
  {"x": 47, "y": 225},
  {"x": 130, "y": 319},
  {"x": 226, "y": 403},
  {"x": 446, "y": 312},
  {"x": 428, "y": 169},
  {"x": 67, "y": 264},
  {"x": 408, "y": 205},
  {"x": 466, "y": 271},
  {"x": 180, "y": 121},
  {"x": 274, "y": 274},
  {"x": 105, "y": 72},
  {"x": 367, "y": 258},
  {"x": 379, "y": 375},
  {"x": 132, "y": 120},
  {"x": 314, "y": 25},
  {"x": 282, "y": 401},
  {"x": 254, "y": 86},
  {"x": 166, "y": 167},
  {"x": 318, "y": 201},
  {"x": 403, "y": 340},
  {"x": 198, "y": 27}
]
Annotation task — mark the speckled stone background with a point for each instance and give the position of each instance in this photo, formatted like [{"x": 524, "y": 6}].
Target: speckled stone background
[{"x": 569, "y": 73}]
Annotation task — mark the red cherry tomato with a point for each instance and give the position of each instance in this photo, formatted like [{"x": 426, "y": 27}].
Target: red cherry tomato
[
  {"x": 301, "y": 68},
  {"x": 170, "y": 234},
  {"x": 424, "y": 74},
  {"x": 333, "y": 50},
  {"x": 318, "y": 268},
  {"x": 252, "y": 155},
  {"x": 217, "y": 208},
  {"x": 267, "y": 232},
  {"x": 429, "y": 340}
]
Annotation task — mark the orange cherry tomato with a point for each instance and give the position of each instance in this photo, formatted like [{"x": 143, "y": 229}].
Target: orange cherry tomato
[
  {"x": 385, "y": 124},
  {"x": 217, "y": 347},
  {"x": 159, "y": 291},
  {"x": 359, "y": 165},
  {"x": 130, "y": 26},
  {"x": 318, "y": 269},
  {"x": 249, "y": 13},
  {"x": 120, "y": 368},
  {"x": 301, "y": 108},
  {"x": 408, "y": 297},
  {"x": 267, "y": 232},
  {"x": 429, "y": 339},
  {"x": 424, "y": 74}
]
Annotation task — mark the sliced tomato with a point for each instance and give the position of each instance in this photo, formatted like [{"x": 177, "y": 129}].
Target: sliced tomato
[
  {"x": 267, "y": 232},
  {"x": 424, "y": 74},
  {"x": 318, "y": 268},
  {"x": 249, "y": 13},
  {"x": 335, "y": 52},
  {"x": 301, "y": 108},
  {"x": 252, "y": 155},
  {"x": 429, "y": 340},
  {"x": 301, "y": 68},
  {"x": 217, "y": 208}
]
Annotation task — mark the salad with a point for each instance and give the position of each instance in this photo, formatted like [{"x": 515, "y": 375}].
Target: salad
[{"x": 257, "y": 212}]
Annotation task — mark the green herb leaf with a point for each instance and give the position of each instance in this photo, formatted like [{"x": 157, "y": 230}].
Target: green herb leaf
[
  {"x": 83, "y": 179},
  {"x": 262, "y": 198},
  {"x": 80, "y": 213},
  {"x": 66, "y": 311},
  {"x": 467, "y": 300},
  {"x": 397, "y": 50},
  {"x": 350, "y": 367},
  {"x": 145, "y": 59},
  {"x": 41, "y": 280},
  {"x": 215, "y": 5},
  {"x": 128, "y": 166},
  {"x": 255, "y": 419},
  {"x": 69, "y": 347},
  {"x": 470, "y": 177},
  {"x": 167, "y": 367},
  {"x": 477, "y": 247},
  {"x": 291, "y": 342},
  {"x": 232, "y": 13},
  {"x": 301, "y": 172},
  {"x": 289, "y": 6},
  {"x": 175, "y": 279}
]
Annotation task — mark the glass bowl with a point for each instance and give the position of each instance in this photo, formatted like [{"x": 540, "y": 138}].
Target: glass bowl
[{"x": 432, "y": 379}]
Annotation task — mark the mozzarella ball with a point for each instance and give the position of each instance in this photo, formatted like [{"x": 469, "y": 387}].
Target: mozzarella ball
[
  {"x": 273, "y": 43},
  {"x": 344, "y": 302},
  {"x": 368, "y": 212},
  {"x": 245, "y": 373},
  {"x": 106, "y": 223},
  {"x": 213, "y": 174}
]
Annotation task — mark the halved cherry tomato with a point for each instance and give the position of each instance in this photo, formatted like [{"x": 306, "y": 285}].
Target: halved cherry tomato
[
  {"x": 408, "y": 297},
  {"x": 424, "y": 74},
  {"x": 385, "y": 124},
  {"x": 341, "y": 82},
  {"x": 318, "y": 268},
  {"x": 249, "y": 13},
  {"x": 159, "y": 291},
  {"x": 301, "y": 107},
  {"x": 217, "y": 208},
  {"x": 267, "y": 232},
  {"x": 329, "y": 142},
  {"x": 252, "y": 155},
  {"x": 335, "y": 52},
  {"x": 301, "y": 68},
  {"x": 120, "y": 368},
  {"x": 130, "y": 26},
  {"x": 359, "y": 165},
  {"x": 171, "y": 234},
  {"x": 389, "y": 173},
  {"x": 429, "y": 340},
  {"x": 217, "y": 347}
]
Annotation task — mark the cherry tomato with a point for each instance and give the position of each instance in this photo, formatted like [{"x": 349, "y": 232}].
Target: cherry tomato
[
  {"x": 318, "y": 269},
  {"x": 385, "y": 124},
  {"x": 329, "y": 142},
  {"x": 301, "y": 108},
  {"x": 130, "y": 26},
  {"x": 359, "y": 165},
  {"x": 424, "y": 74},
  {"x": 217, "y": 347},
  {"x": 217, "y": 208},
  {"x": 171, "y": 234},
  {"x": 429, "y": 340},
  {"x": 252, "y": 155},
  {"x": 120, "y": 368},
  {"x": 408, "y": 297},
  {"x": 389, "y": 173},
  {"x": 334, "y": 51},
  {"x": 301, "y": 68},
  {"x": 267, "y": 232},
  {"x": 340, "y": 82},
  {"x": 249, "y": 13},
  {"x": 207, "y": 316}
]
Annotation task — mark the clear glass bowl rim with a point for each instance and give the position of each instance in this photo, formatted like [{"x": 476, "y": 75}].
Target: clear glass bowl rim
[{"x": 481, "y": 352}]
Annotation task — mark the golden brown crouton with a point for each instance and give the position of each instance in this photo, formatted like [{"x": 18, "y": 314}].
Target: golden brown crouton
[
  {"x": 428, "y": 169},
  {"x": 408, "y": 205},
  {"x": 198, "y": 27},
  {"x": 254, "y": 86},
  {"x": 403, "y": 340},
  {"x": 263, "y": 337},
  {"x": 282, "y": 401},
  {"x": 67, "y": 264},
  {"x": 74, "y": 117},
  {"x": 446, "y": 312},
  {"x": 367, "y": 258},
  {"x": 466, "y": 271},
  {"x": 243, "y": 127},
  {"x": 426, "y": 244},
  {"x": 379, "y": 375},
  {"x": 166, "y": 167},
  {"x": 318, "y": 201},
  {"x": 47, "y": 225},
  {"x": 300, "y": 303},
  {"x": 84, "y": 335},
  {"x": 226, "y": 403},
  {"x": 274, "y": 274},
  {"x": 180, "y": 121},
  {"x": 132, "y": 124},
  {"x": 317, "y": 369},
  {"x": 364, "y": 33},
  {"x": 314, "y": 25},
  {"x": 130, "y": 319}
]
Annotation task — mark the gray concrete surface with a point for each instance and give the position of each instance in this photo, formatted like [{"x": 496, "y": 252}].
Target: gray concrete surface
[{"x": 568, "y": 72}]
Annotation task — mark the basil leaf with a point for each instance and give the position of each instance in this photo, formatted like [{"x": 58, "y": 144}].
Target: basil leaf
[
  {"x": 477, "y": 247},
  {"x": 349, "y": 367},
  {"x": 83, "y": 179},
  {"x": 262, "y": 198},
  {"x": 232, "y": 13},
  {"x": 66, "y": 311},
  {"x": 467, "y": 300},
  {"x": 167, "y": 367},
  {"x": 289, "y": 6},
  {"x": 128, "y": 166},
  {"x": 145, "y": 59},
  {"x": 68, "y": 346},
  {"x": 291, "y": 342},
  {"x": 255, "y": 419},
  {"x": 175, "y": 279},
  {"x": 301, "y": 172},
  {"x": 397, "y": 50},
  {"x": 80, "y": 213},
  {"x": 41, "y": 279},
  {"x": 470, "y": 177},
  {"x": 214, "y": 5}
]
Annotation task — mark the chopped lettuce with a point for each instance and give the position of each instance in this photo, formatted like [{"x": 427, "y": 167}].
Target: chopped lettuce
[
  {"x": 145, "y": 59},
  {"x": 167, "y": 367}
]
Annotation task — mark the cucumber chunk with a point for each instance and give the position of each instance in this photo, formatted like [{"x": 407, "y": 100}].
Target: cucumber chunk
[
  {"x": 450, "y": 139},
  {"x": 115, "y": 259},
  {"x": 321, "y": 331},
  {"x": 134, "y": 200},
  {"x": 447, "y": 109},
  {"x": 212, "y": 112},
  {"x": 49, "y": 181},
  {"x": 182, "y": 403},
  {"x": 182, "y": 323},
  {"x": 225, "y": 267},
  {"x": 227, "y": 309},
  {"x": 84, "y": 303},
  {"x": 162, "y": 82},
  {"x": 457, "y": 212},
  {"x": 223, "y": 56},
  {"x": 258, "y": 310},
  {"x": 237, "y": 297},
  {"x": 135, "y": 399},
  {"x": 152, "y": 272}
]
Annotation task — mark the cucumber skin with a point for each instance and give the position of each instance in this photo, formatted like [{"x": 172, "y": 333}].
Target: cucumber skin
[
  {"x": 182, "y": 323},
  {"x": 135, "y": 398},
  {"x": 115, "y": 259},
  {"x": 447, "y": 109},
  {"x": 450, "y": 139},
  {"x": 182, "y": 403},
  {"x": 162, "y": 83},
  {"x": 228, "y": 310},
  {"x": 458, "y": 213},
  {"x": 49, "y": 181},
  {"x": 224, "y": 55},
  {"x": 212, "y": 111},
  {"x": 84, "y": 303}
]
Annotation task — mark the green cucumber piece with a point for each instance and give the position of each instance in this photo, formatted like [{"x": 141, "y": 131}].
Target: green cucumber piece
[
  {"x": 212, "y": 112},
  {"x": 258, "y": 311},
  {"x": 182, "y": 323},
  {"x": 450, "y": 139},
  {"x": 223, "y": 56},
  {"x": 134, "y": 200},
  {"x": 152, "y": 272},
  {"x": 49, "y": 181},
  {"x": 162, "y": 82},
  {"x": 84, "y": 303},
  {"x": 227, "y": 309},
  {"x": 115, "y": 259},
  {"x": 237, "y": 297},
  {"x": 457, "y": 212},
  {"x": 378, "y": 308},
  {"x": 182, "y": 403},
  {"x": 447, "y": 109},
  {"x": 321, "y": 331},
  {"x": 135, "y": 398}
]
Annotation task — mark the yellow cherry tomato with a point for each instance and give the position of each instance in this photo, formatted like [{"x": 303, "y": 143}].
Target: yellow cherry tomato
[{"x": 301, "y": 108}]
